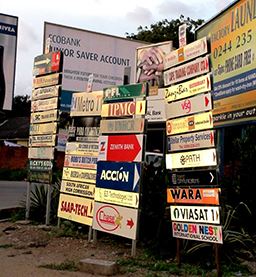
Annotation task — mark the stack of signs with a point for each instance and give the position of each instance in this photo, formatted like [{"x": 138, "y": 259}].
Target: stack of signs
[
  {"x": 156, "y": 105},
  {"x": 79, "y": 173},
  {"x": 44, "y": 116},
  {"x": 121, "y": 146},
  {"x": 191, "y": 156}
]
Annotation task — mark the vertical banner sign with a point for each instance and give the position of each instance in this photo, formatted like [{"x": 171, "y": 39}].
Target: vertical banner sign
[
  {"x": 233, "y": 47},
  {"x": 183, "y": 35},
  {"x": 8, "y": 49}
]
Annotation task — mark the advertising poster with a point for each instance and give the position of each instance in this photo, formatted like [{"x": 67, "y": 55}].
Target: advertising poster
[{"x": 8, "y": 48}]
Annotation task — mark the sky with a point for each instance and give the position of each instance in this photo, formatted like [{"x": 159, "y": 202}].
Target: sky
[{"x": 114, "y": 17}]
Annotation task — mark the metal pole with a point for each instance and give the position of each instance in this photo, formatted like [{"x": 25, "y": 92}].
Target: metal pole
[
  {"x": 48, "y": 205},
  {"x": 90, "y": 234},
  {"x": 28, "y": 202},
  {"x": 58, "y": 223},
  {"x": 94, "y": 236},
  {"x": 133, "y": 253}
]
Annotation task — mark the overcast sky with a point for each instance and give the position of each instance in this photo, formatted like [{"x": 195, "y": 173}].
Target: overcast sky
[{"x": 114, "y": 17}]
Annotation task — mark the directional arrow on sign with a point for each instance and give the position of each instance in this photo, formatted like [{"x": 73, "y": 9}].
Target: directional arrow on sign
[
  {"x": 46, "y": 61},
  {"x": 130, "y": 223},
  {"x": 136, "y": 177},
  {"x": 206, "y": 101}
]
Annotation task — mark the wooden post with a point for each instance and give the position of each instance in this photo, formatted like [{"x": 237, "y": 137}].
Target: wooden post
[
  {"x": 133, "y": 253},
  {"x": 28, "y": 202},
  {"x": 90, "y": 234},
  {"x": 94, "y": 236},
  {"x": 178, "y": 252},
  {"x": 217, "y": 259},
  {"x": 48, "y": 205}
]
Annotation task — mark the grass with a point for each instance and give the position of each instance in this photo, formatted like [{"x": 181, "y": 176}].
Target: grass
[
  {"x": 5, "y": 246},
  {"x": 67, "y": 265}
]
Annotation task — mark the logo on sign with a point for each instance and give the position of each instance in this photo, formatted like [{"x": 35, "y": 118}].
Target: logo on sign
[
  {"x": 118, "y": 176},
  {"x": 186, "y": 106},
  {"x": 108, "y": 218},
  {"x": 193, "y": 158}
]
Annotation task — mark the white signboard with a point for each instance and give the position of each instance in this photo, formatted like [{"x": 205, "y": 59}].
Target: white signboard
[
  {"x": 47, "y": 92},
  {"x": 156, "y": 110},
  {"x": 8, "y": 47},
  {"x": 196, "y": 104},
  {"x": 41, "y": 153},
  {"x": 46, "y": 116},
  {"x": 204, "y": 214},
  {"x": 115, "y": 220},
  {"x": 108, "y": 58},
  {"x": 44, "y": 105},
  {"x": 199, "y": 158}
]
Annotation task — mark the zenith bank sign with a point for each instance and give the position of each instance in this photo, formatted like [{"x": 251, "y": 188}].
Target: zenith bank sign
[{"x": 126, "y": 148}]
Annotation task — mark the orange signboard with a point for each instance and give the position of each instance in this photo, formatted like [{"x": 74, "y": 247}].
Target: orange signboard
[{"x": 193, "y": 196}]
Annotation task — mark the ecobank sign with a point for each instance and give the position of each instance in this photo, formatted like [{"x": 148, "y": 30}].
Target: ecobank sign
[{"x": 107, "y": 57}]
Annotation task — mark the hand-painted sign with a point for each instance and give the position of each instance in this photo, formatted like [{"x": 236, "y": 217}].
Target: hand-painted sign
[
  {"x": 80, "y": 161},
  {"x": 44, "y": 140},
  {"x": 196, "y": 140},
  {"x": 44, "y": 153},
  {"x": 40, "y": 177},
  {"x": 41, "y": 129},
  {"x": 186, "y": 124},
  {"x": 40, "y": 165},
  {"x": 44, "y": 105},
  {"x": 119, "y": 176},
  {"x": 204, "y": 214},
  {"x": 86, "y": 104},
  {"x": 79, "y": 174},
  {"x": 186, "y": 71},
  {"x": 199, "y": 158},
  {"x": 42, "y": 117},
  {"x": 115, "y": 220},
  {"x": 124, "y": 92},
  {"x": 124, "y": 109},
  {"x": 190, "y": 88},
  {"x": 77, "y": 188},
  {"x": 83, "y": 131},
  {"x": 43, "y": 93},
  {"x": 47, "y": 63},
  {"x": 46, "y": 81},
  {"x": 186, "y": 53},
  {"x": 156, "y": 111},
  {"x": 113, "y": 126},
  {"x": 119, "y": 197},
  {"x": 194, "y": 178},
  {"x": 208, "y": 196},
  {"x": 83, "y": 149},
  {"x": 78, "y": 209},
  {"x": 125, "y": 148},
  {"x": 199, "y": 232},
  {"x": 195, "y": 104}
]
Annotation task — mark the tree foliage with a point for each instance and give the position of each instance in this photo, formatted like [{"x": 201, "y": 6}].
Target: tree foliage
[
  {"x": 167, "y": 30},
  {"x": 21, "y": 105}
]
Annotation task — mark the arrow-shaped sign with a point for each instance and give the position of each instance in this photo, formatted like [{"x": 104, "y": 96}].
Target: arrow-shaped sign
[{"x": 46, "y": 61}]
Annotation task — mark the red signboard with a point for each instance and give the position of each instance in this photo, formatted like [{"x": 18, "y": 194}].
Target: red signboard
[{"x": 125, "y": 148}]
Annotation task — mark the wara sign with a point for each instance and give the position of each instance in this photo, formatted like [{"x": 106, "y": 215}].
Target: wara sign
[
  {"x": 196, "y": 104},
  {"x": 124, "y": 92},
  {"x": 135, "y": 125},
  {"x": 203, "y": 139},
  {"x": 193, "y": 196},
  {"x": 198, "y": 214},
  {"x": 189, "y": 123},
  {"x": 186, "y": 53},
  {"x": 124, "y": 148},
  {"x": 200, "y": 232},
  {"x": 186, "y": 89},
  {"x": 86, "y": 104},
  {"x": 197, "y": 158},
  {"x": 119, "y": 176},
  {"x": 123, "y": 109},
  {"x": 186, "y": 71},
  {"x": 115, "y": 220}
]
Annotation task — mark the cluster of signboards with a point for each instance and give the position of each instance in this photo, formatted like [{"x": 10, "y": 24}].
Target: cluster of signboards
[
  {"x": 191, "y": 155},
  {"x": 121, "y": 145},
  {"x": 79, "y": 173},
  {"x": 44, "y": 116}
]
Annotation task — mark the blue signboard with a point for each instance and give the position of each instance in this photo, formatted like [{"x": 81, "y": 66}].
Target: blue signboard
[
  {"x": 119, "y": 176},
  {"x": 65, "y": 101}
]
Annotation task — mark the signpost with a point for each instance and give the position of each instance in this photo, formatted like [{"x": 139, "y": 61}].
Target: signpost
[
  {"x": 123, "y": 148},
  {"x": 43, "y": 93},
  {"x": 42, "y": 117},
  {"x": 79, "y": 174},
  {"x": 44, "y": 105},
  {"x": 47, "y": 80}
]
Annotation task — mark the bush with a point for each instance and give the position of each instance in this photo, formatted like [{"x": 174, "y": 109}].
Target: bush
[{"x": 7, "y": 174}]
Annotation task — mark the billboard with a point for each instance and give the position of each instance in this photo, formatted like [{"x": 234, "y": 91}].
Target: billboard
[
  {"x": 233, "y": 48},
  {"x": 8, "y": 48},
  {"x": 110, "y": 59}
]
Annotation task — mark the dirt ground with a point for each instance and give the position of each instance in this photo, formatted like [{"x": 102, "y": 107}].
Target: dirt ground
[{"x": 25, "y": 247}]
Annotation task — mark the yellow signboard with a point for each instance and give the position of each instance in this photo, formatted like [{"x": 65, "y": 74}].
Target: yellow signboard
[
  {"x": 48, "y": 80},
  {"x": 189, "y": 88},
  {"x": 77, "y": 188},
  {"x": 191, "y": 123},
  {"x": 42, "y": 117},
  {"x": 119, "y": 197},
  {"x": 86, "y": 104},
  {"x": 82, "y": 148},
  {"x": 45, "y": 128},
  {"x": 78, "y": 209},
  {"x": 79, "y": 174}
]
